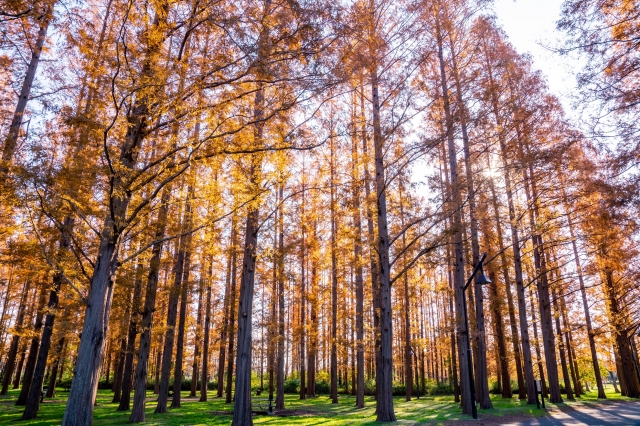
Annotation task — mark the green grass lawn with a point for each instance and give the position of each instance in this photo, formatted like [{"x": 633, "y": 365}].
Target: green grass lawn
[{"x": 429, "y": 410}]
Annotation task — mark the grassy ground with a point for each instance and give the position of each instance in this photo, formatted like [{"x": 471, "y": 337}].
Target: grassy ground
[{"x": 316, "y": 411}]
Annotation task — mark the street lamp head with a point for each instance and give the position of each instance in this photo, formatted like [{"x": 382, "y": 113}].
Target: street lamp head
[{"x": 482, "y": 279}]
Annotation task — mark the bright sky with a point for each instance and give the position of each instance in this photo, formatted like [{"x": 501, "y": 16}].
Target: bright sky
[{"x": 530, "y": 25}]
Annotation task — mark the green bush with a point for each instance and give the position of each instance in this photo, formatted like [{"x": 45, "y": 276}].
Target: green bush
[
  {"x": 441, "y": 388},
  {"x": 399, "y": 389},
  {"x": 323, "y": 387},
  {"x": 291, "y": 386}
]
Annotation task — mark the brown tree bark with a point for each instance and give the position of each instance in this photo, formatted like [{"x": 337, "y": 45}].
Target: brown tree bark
[
  {"x": 35, "y": 389},
  {"x": 11, "y": 140},
  {"x": 51, "y": 387},
  {"x": 79, "y": 409},
  {"x": 222, "y": 350},
  {"x": 198, "y": 336},
  {"x": 334, "y": 281},
  {"x": 585, "y": 303},
  {"x": 15, "y": 340},
  {"x": 232, "y": 314},
  {"x": 146, "y": 319},
  {"x": 33, "y": 350},
  {"x": 172, "y": 315},
  {"x": 384, "y": 382},
  {"x": 458, "y": 276},
  {"x": 522, "y": 390},
  {"x": 561, "y": 347},
  {"x": 205, "y": 345},
  {"x": 132, "y": 332},
  {"x": 359, "y": 281},
  {"x": 185, "y": 246},
  {"x": 281, "y": 334}
]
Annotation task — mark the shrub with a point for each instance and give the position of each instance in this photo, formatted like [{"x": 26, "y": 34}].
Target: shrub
[
  {"x": 323, "y": 387},
  {"x": 292, "y": 386},
  {"x": 441, "y": 388}
]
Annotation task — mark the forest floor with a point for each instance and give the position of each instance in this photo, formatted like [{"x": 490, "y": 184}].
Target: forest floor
[{"x": 315, "y": 411}]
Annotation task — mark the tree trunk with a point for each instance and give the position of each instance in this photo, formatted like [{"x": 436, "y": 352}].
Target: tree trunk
[
  {"x": 585, "y": 304},
  {"x": 626, "y": 367},
  {"x": 537, "y": 345},
  {"x": 132, "y": 332},
  {"x": 232, "y": 314},
  {"x": 281, "y": 332},
  {"x": 51, "y": 387},
  {"x": 79, "y": 409},
  {"x": 459, "y": 278},
  {"x": 242, "y": 415},
  {"x": 205, "y": 346},
  {"x": 225, "y": 324},
  {"x": 185, "y": 246},
  {"x": 563, "y": 357},
  {"x": 11, "y": 140},
  {"x": 334, "y": 282},
  {"x": 15, "y": 340},
  {"x": 33, "y": 351},
  {"x": 117, "y": 377},
  {"x": 359, "y": 282},
  {"x": 522, "y": 391},
  {"x": 544, "y": 298},
  {"x": 313, "y": 318},
  {"x": 169, "y": 339},
  {"x": 384, "y": 382},
  {"x": 34, "y": 392},
  {"x": 303, "y": 292},
  {"x": 198, "y": 336},
  {"x": 146, "y": 320}
]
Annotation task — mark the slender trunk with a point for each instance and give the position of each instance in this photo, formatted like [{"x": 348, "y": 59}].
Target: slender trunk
[
  {"x": 626, "y": 366},
  {"x": 127, "y": 373},
  {"x": 384, "y": 382},
  {"x": 15, "y": 340},
  {"x": 146, "y": 319},
  {"x": 242, "y": 415},
  {"x": 232, "y": 314},
  {"x": 117, "y": 376},
  {"x": 197, "y": 337},
  {"x": 313, "y": 318},
  {"x": 459, "y": 279},
  {"x": 11, "y": 140},
  {"x": 544, "y": 298},
  {"x": 33, "y": 351},
  {"x": 225, "y": 325},
  {"x": 303, "y": 293},
  {"x": 585, "y": 304},
  {"x": 522, "y": 391},
  {"x": 481, "y": 373},
  {"x": 34, "y": 392},
  {"x": 185, "y": 246},
  {"x": 334, "y": 284},
  {"x": 281, "y": 325},
  {"x": 563, "y": 357},
  {"x": 359, "y": 282},
  {"x": 51, "y": 387},
  {"x": 537, "y": 345},
  {"x": 205, "y": 345}
]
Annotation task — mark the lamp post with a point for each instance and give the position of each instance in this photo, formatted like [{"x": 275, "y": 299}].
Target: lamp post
[{"x": 481, "y": 279}]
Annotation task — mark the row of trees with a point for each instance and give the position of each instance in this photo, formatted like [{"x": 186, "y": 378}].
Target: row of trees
[{"x": 238, "y": 193}]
